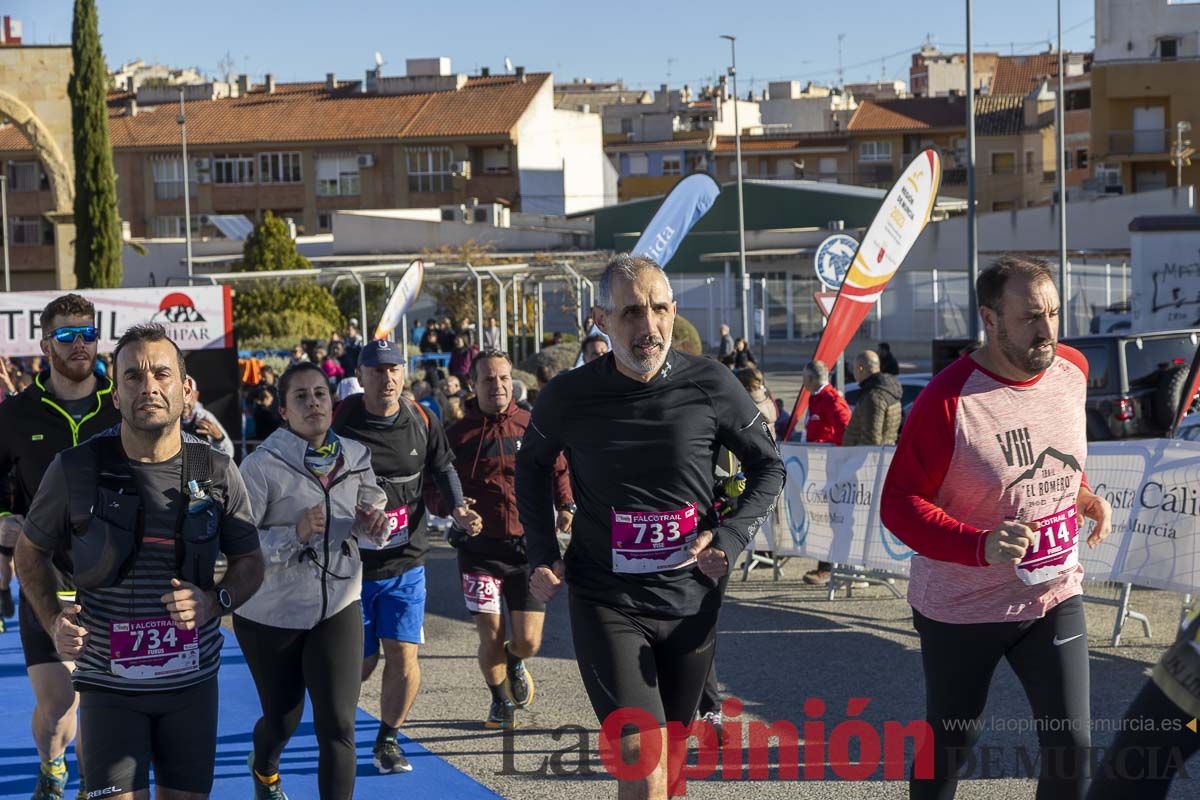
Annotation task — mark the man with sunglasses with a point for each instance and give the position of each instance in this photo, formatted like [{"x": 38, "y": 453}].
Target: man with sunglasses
[{"x": 66, "y": 405}]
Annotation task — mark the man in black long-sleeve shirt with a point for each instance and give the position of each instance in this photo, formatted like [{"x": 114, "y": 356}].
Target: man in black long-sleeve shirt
[{"x": 641, "y": 428}]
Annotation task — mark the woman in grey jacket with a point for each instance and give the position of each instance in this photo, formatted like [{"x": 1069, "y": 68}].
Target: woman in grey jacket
[{"x": 313, "y": 495}]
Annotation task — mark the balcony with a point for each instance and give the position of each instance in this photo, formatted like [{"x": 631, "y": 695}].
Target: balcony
[
  {"x": 954, "y": 176},
  {"x": 869, "y": 174},
  {"x": 173, "y": 190},
  {"x": 1149, "y": 141}
]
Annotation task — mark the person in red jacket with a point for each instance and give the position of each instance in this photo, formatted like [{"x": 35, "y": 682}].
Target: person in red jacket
[
  {"x": 493, "y": 564},
  {"x": 828, "y": 416}
]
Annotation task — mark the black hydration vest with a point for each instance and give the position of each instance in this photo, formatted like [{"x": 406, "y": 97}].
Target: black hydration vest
[{"x": 108, "y": 520}]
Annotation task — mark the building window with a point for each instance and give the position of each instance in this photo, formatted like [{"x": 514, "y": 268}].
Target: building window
[
  {"x": 324, "y": 221},
  {"x": 627, "y": 125},
  {"x": 1078, "y": 100},
  {"x": 337, "y": 175},
  {"x": 828, "y": 166},
  {"x": 168, "y": 178},
  {"x": 495, "y": 161},
  {"x": 233, "y": 170},
  {"x": 1168, "y": 48},
  {"x": 1029, "y": 162},
  {"x": 27, "y": 176},
  {"x": 30, "y": 231},
  {"x": 1004, "y": 163},
  {"x": 639, "y": 164},
  {"x": 172, "y": 227},
  {"x": 672, "y": 165},
  {"x": 1081, "y": 158},
  {"x": 428, "y": 168},
  {"x": 875, "y": 151},
  {"x": 279, "y": 168}
]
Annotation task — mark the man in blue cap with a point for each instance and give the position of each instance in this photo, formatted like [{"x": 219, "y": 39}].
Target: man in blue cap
[{"x": 406, "y": 443}]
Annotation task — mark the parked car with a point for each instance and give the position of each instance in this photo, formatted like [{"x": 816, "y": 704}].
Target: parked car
[
  {"x": 1189, "y": 429},
  {"x": 1135, "y": 381}
]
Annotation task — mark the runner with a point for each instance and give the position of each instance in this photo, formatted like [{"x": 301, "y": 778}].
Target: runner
[
  {"x": 987, "y": 486},
  {"x": 1156, "y": 737},
  {"x": 313, "y": 496},
  {"x": 641, "y": 428},
  {"x": 406, "y": 442},
  {"x": 493, "y": 565},
  {"x": 165, "y": 507},
  {"x": 64, "y": 406}
]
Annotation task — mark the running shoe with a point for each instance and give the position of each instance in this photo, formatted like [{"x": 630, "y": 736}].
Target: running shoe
[
  {"x": 520, "y": 682},
  {"x": 50, "y": 785},
  {"x": 7, "y": 609},
  {"x": 714, "y": 719},
  {"x": 389, "y": 757},
  {"x": 265, "y": 791},
  {"x": 502, "y": 715}
]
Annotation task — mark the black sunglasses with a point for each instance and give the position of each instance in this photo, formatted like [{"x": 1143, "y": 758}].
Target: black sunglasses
[{"x": 68, "y": 333}]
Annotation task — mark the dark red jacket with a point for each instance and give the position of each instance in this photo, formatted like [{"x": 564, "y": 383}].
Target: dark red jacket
[
  {"x": 828, "y": 416},
  {"x": 485, "y": 450}
]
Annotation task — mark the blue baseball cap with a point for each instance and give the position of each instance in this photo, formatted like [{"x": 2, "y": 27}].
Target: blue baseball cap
[{"x": 380, "y": 352}]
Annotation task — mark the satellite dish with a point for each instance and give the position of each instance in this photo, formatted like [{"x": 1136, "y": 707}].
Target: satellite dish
[
  {"x": 508, "y": 67},
  {"x": 378, "y": 59}
]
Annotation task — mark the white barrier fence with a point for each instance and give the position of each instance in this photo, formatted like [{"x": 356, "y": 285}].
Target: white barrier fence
[{"x": 830, "y": 511}]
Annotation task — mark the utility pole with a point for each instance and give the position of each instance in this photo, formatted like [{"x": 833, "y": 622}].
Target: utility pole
[
  {"x": 976, "y": 332},
  {"x": 187, "y": 202},
  {"x": 737, "y": 138}
]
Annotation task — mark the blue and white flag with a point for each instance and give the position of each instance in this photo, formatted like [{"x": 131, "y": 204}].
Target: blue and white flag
[{"x": 690, "y": 200}]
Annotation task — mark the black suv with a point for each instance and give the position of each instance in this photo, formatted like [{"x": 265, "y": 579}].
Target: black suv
[{"x": 1135, "y": 381}]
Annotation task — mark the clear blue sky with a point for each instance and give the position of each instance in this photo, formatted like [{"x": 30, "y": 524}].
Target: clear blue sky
[{"x": 635, "y": 41}]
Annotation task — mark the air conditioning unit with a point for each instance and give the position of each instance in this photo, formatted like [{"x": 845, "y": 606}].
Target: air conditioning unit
[
  {"x": 202, "y": 164},
  {"x": 203, "y": 177},
  {"x": 461, "y": 169},
  {"x": 366, "y": 160},
  {"x": 1108, "y": 174}
]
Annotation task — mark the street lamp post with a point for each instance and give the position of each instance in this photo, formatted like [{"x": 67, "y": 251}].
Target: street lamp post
[
  {"x": 737, "y": 138},
  {"x": 187, "y": 203},
  {"x": 4, "y": 228},
  {"x": 972, "y": 246},
  {"x": 1064, "y": 276}
]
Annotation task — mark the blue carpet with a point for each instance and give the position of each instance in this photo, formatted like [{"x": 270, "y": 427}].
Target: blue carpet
[{"x": 431, "y": 775}]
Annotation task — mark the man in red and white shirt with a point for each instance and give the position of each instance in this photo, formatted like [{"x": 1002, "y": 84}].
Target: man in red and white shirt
[
  {"x": 828, "y": 416},
  {"x": 987, "y": 486}
]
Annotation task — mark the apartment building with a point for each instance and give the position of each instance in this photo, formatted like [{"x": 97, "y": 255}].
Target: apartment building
[{"x": 429, "y": 138}]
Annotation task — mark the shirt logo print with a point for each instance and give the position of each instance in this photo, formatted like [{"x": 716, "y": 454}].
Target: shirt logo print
[{"x": 1016, "y": 447}]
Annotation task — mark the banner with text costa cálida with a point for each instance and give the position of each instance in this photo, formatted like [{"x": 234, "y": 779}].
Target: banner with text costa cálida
[
  {"x": 196, "y": 317},
  {"x": 690, "y": 200},
  {"x": 898, "y": 223}
]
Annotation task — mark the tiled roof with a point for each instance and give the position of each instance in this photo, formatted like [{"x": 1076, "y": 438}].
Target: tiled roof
[
  {"x": 999, "y": 115},
  {"x": 305, "y": 112},
  {"x": 909, "y": 114},
  {"x": 1023, "y": 74},
  {"x": 727, "y": 144}
]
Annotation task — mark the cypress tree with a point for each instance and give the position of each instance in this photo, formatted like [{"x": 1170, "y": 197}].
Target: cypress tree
[{"x": 97, "y": 225}]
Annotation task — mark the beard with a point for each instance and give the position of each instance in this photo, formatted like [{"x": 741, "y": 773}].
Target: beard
[
  {"x": 642, "y": 364},
  {"x": 1032, "y": 359},
  {"x": 74, "y": 370}
]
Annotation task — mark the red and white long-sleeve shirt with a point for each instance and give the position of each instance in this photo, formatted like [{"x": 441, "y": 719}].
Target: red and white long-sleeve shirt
[{"x": 978, "y": 449}]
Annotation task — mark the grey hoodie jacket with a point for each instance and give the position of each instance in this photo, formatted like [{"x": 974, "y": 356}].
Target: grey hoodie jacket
[{"x": 305, "y": 584}]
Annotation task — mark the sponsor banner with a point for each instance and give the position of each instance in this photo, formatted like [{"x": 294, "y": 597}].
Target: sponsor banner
[
  {"x": 897, "y": 224},
  {"x": 832, "y": 511},
  {"x": 196, "y": 317},
  {"x": 690, "y": 200},
  {"x": 406, "y": 292}
]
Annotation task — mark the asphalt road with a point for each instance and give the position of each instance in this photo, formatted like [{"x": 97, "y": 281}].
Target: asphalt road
[{"x": 780, "y": 643}]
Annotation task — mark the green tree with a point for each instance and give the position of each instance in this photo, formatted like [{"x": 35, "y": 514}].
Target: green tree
[
  {"x": 97, "y": 224},
  {"x": 288, "y": 310}
]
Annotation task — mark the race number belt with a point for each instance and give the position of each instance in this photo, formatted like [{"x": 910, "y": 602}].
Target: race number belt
[
  {"x": 152, "y": 648},
  {"x": 653, "y": 541},
  {"x": 1057, "y": 550}
]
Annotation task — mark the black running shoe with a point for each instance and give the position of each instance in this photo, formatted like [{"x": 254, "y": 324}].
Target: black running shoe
[
  {"x": 501, "y": 716},
  {"x": 520, "y": 683},
  {"x": 389, "y": 757}
]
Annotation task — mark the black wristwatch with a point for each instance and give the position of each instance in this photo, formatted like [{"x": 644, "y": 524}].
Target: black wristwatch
[
  {"x": 570, "y": 508},
  {"x": 224, "y": 599}
]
